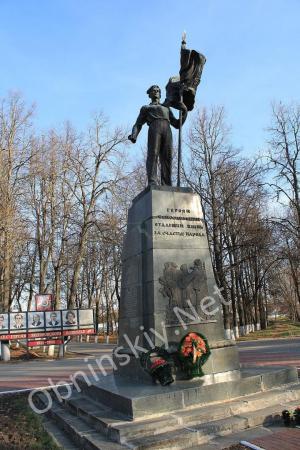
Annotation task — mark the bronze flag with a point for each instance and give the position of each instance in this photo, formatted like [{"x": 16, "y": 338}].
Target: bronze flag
[{"x": 191, "y": 66}]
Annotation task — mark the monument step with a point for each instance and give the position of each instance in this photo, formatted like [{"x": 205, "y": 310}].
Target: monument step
[
  {"x": 182, "y": 438},
  {"x": 208, "y": 435},
  {"x": 60, "y": 438},
  {"x": 243, "y": 405},
  {"x": 116, "y": 428},
  {"x": 96, "y": 426},
  {"x": 268, "y": 416},
  {"x": 83, "y": 435}
]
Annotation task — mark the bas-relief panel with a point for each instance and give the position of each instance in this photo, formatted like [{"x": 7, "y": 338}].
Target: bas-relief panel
[{"x": 185, "y": 286}]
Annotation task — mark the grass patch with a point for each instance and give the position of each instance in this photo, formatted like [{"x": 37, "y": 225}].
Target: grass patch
[
  {"x": 21, "y": 428},
  {"x": 276, "y": 329}
]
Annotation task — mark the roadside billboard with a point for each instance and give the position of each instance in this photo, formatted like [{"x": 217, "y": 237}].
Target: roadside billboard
[{"x": 46, "y": 324}]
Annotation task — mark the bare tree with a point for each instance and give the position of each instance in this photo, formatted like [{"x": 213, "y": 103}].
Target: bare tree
[
  {"x": 232, "y": 197},
  {"x": 15, "y": 141},
  {"x": 284, "y": 165},
  {"x": 97, "y": 167}
]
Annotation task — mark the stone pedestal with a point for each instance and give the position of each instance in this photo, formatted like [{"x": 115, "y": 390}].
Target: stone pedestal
[{"x": 168, "y": 285}]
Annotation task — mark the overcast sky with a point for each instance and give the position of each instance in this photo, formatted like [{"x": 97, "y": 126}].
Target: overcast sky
[{"x": 73, "y": 57}]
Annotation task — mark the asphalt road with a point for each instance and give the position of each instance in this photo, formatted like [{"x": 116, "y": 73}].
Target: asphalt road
[
  {"x": 270, "y": 352},
  {"x": 39, "y": 373}
]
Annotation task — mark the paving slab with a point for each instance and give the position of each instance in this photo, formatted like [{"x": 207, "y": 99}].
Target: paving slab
[
  {"x": 286, "y": 439},
  {"x": 268, "y": 438}
]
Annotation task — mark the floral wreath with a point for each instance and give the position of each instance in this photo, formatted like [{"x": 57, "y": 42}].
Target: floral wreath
[
  {"x": 160, "y": 367},
  {"x": 193, "y": 352}
]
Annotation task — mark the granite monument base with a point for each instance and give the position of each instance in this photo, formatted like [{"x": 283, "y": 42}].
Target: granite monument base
[
  {"x": 168, "y": 285},
  {"x": 134, "y": 400}
]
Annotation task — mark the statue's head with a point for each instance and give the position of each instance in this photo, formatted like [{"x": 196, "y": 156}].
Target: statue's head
[
  {"x": 154, "y": 92},
  {"x": 198, "y": 264}
]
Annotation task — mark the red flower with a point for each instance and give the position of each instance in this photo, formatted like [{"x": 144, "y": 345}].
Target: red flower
[
  {"x": 158, "y": 363},
  {"x": 187, "y": 351},
  {"x": 194, "y": 336}
]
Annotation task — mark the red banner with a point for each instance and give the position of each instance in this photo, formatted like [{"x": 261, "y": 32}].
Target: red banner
[
  {"x": 45, "y": 342},
  {"x": 8, "y": 337},
  {"x": 77, "y": 332}
]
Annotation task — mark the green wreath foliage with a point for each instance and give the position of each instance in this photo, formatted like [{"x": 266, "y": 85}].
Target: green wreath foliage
[{"x": 190, "y": 365}]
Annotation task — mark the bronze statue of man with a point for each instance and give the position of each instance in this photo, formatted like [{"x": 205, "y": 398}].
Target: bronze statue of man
[{"x": 158, "y": 117}]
